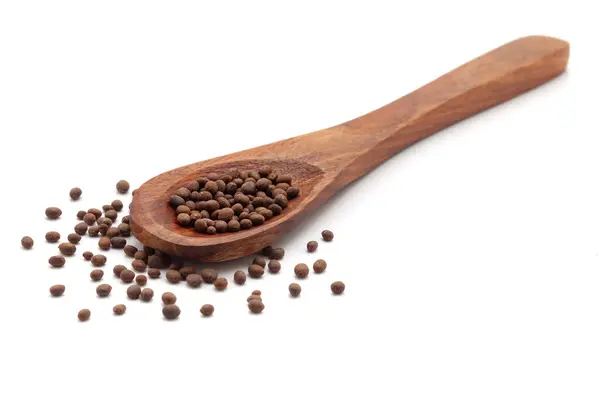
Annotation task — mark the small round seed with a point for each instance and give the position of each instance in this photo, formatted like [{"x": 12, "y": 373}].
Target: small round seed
[
  {"x": 274, "y": 266},
  {"x": 118, "y": 242},
  {"x": 53, "y": 212},
  {"x": 256, "y": 306},
  {"x": 338, "y": 287},
  {"x": 245, "y": 223},
  {"x": 233, "y": 226},
  {"x": 127, "y": 276},
  {"x": 130, "y": 250},
  {"x": 124, "y": 229},
  {"x": 292, "y": 192},
  {"x": 312, "y": 246},
  {"x": 74, "y": 238},
  {"x": 67, "y": 249},
  {"x": 117, "y": 205},
  {"x": 209, "y": 275},
  {"x": 111, "y": 214},
  {"x": 138, "y": 265},
  {"x": 89, "y": 218},
  {"x": 80, "y": 214},
  {"x": 173, "y": 276},
  {"x": 107, "y": 207},
  {"x": 87, "y": 255},
  {"x": 95, "y": 211},
  {"x": 104, "y": 243},
  {"x": 171, "y": 311},
  {"x": 57, "y": 290},
  {"x": 239, "y": 277},
  {"x": 84, "y": 315},
  {"x": 294, "y": 289},
  {"x": 75, "y": 193},
  {"x": 122, "y": 186},
  {"x": 278, "y": 253},
  {"x": 81, "y": 228},
  {"x": 327, "y": 235},
  {"x": 27, "y": 242},
  {"x": 141, "y": 280},
  {"x": 147, "y": 294},
  {"x": 256, "y": 271},
  {"x": 133, "y": 292},
  {"x": 141, "y": 255},
  {"x": 117, "y": 269},
  {"x": 153, "y": 273},
  {"x": 266, "y": 251},
  {"x": 301, "y": 270},
  {"x": 103, "y": 290},
  {"x": 119, "y": 309},
  {"x": 113, "y": 232},
  {"x": 96, "y": 274},
  {"x": 319, "y": 266},
  {"x": 220, "y": 283},
  {"x": 260, "y": 261},
  {"x": 256, "y": 292},
  {"x": 256, "y": 219},
  {"x": 168, "y": 298},
  {"x": 98, "y": 260},
  {"x": 253, "y": 297},
  {"x": 52, "y": 237},
  {"x": 93, "y": 230},
  {"x": 207, "y": 310},
  {"x": 56, "y": 261},
  {"x": 194, "y": 280}
]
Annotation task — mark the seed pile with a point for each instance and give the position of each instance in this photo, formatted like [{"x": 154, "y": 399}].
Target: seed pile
[{"x": 232, "y": 201}]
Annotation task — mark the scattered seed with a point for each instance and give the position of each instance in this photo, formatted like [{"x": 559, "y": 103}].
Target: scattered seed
[
  {"x": 338, "y": 287},
  {"x": 84, "y": 315},
  {"x": 80, "y": 214},
  {"x": 171, "y": 311},
  {"x": 154, "y": 273},
  {"x": 117, "y": 269},
  {"x": 130, "y": 250},
  {"x": 89, "y": 218},
  {"x": 256, "y": 292},
  {"x": 207, "y": 310},
  {"x": 253, "y": 297},
  {"x": 277, "y": 254},
  {"x": 57, "y": 290},
  {"x": 52, "y": 237},
  {"x": 27, "y": 242},
  {"x": 274, "y": 266},
  {"x": 220, "y": 283},
  {"x": 98, "y": 260},
  {"x": 319, "y": 266},
  {"x": 209, "y": 275},
  {"x": 239, "y": 277},
  {"x": 87, "y": 255},
  {"x": 134, "y": 292},
  {"x": 96, "y": 274},
  {"x": 127, "y": 275},
  {"x": 147, "y": 294},
  {"x": 125, "y": 229},
  {"x": 327, "y": 235},
  {"x": 103, "y": 290},
  {"x": 122, "y": 186},
  {"x": 141, "y": 280},
  {"x": 113, "y": 232},
  {"x": 56, "y": 261},
  {"x": 173, "y": 276},
  {"x": 301, "y": 270},
  {"x": 119, "y": 309},
  {"x": 138, "y": 265},
  {"x": 74, "y": 238},
  {"x": 104, "y": 243},
  {"x": 53, "y": 212},
  {"x": 141, "y": 255},
  {"x": 67, "y": 249},
  {"x": 194, "y": 280},
  {"x": 117, "y": 205},
  {"x": 312, "y": 246},
  {"x": 294, "y": 289},
  {"x": 256, "y": 271},
  {"x": 118, "y": 242},
  {"x": 93, "y": 230},
  {"x": 185, "y": 271},
  {"x": 256, "y": 306},
  {"x": 260, "y": 261},
  {"x": 168, "y": 298}
]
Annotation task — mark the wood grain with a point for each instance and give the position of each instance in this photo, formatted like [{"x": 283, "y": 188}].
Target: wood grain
[{"x": 325, "y": 161}]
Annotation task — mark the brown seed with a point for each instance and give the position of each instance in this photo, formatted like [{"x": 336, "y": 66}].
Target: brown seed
[
  {"x": 312, "y": 246},
  {"x": 281, "y": 200},
  {"x": 159, "y": 260},
  {"x": 84, "y": 315},
  {"x": 53, "y": 212},
  {"x": 117, "y": 269},
  {"x": 107, "y": 207},
  {"x": 220, "y": 283},
  {"x": 93, "y": 230},
  {"x": 292, "y": 192},
  {"x": 184, "y": 219},
  {"x": 233, "y": 225},
  {"x": 141, "y": 255},
  {"x": 103, "y": 229},
  {"x": 253, "y": 297},
  {"x": 111, "y": 214},
  {"x": 103, "y": 290},
  {"x": 154, "y": 273},
  {"x": 245, "y": 224},
  {"x": 97, "y": 213},
  {"x": 141, "y": 280},
  {"x": 256, "y": 306},
  {"x": 81, "y": 228},
  {"x": 124, "y": 229},
  {"x": 119, "y": 309},
  {"x": 57, "y": 290},
  {"x": 256, "y": 293},
  {"x": 134, "y": 291},
  {"x": 74, "y": 238},
  {"x": 256, "y": 219},
  {"x": 127, "y": 276},
  {"x": 327, "y": 235},
  {"x": 89, "y": 218},
  {"x": 52, "y": 237},
  {"x": 87, "y": 255},
  {"x": 117, "y": 205},
  {"x": 185, "y": 271},
  {"x": 173, "y": 276},
  {"x": 67, "y": 249},
  {"x": 260, "y": 261},
  {"x": 75, "y": 193},
  {"x": 294, "y": 289},
  {"x": 56, "y": 261},
  {"x": 98, "y": 260},
  {"x": 338, "y": 287},
  {"x": 221, "y": 226},
  {"x": 171, "y": 311},
  {"x": 319, "y": 266},
  {"x": 96, "y": 274},
  {"x": 301, "y": 270},
  {"x": 80, "y": 214},
  {"x": 256, "y": 271},
  {"x": 27, "y": 242},
  {"x": 207, "y": 310},
  {"x": 147, "y": 294},
  {"x": 118, "y": 242},
  {"x": 209, "y": 275},
  {"x": 284, "y": 179},
  {"x": 274, "y": 266},
  {"x": 275, "y": 209},
  {"x": 277, "y": 253},
  {"x": 168, "y": 298},
  {"x": 122, "y": 186},
  {"x": 104, "y": 243},
  {"x": 194, "y": 280},
  {"x": 130, "y": 250},
  {"x": 239, "y": 277},
  {"x": 113, "y": 232},
  {"x": 266, "y": 251},
  {"x": 138, "y": 265}
]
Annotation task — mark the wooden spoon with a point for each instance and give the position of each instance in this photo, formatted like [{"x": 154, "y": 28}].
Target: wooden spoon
[{"x": 323, "y": 162}]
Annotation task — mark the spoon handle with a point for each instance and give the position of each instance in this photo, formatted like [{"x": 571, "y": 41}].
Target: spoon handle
[{"x": 354, "y": 148}]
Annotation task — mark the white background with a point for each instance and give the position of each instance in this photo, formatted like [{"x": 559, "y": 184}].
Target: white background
[{"x": 471, "y": 260}]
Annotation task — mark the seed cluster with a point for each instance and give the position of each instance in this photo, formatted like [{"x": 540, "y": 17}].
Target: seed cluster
[{"x": 232, "y": 201}]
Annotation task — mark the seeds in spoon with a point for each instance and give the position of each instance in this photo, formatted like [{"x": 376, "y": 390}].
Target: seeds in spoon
[
  {"x": 27, "y": 242},
  {"x": 171, "y": 311},
  {"x": 319, "y": 266},
  {"x": 207, "y": 310},
  {"x": 52, "y": 237},
  {"x": 57, "y": 290},
  {"x": 75, "y": 193},
  {"x": 84, "y": 315},
  {"x": 53, "y": 212}
]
